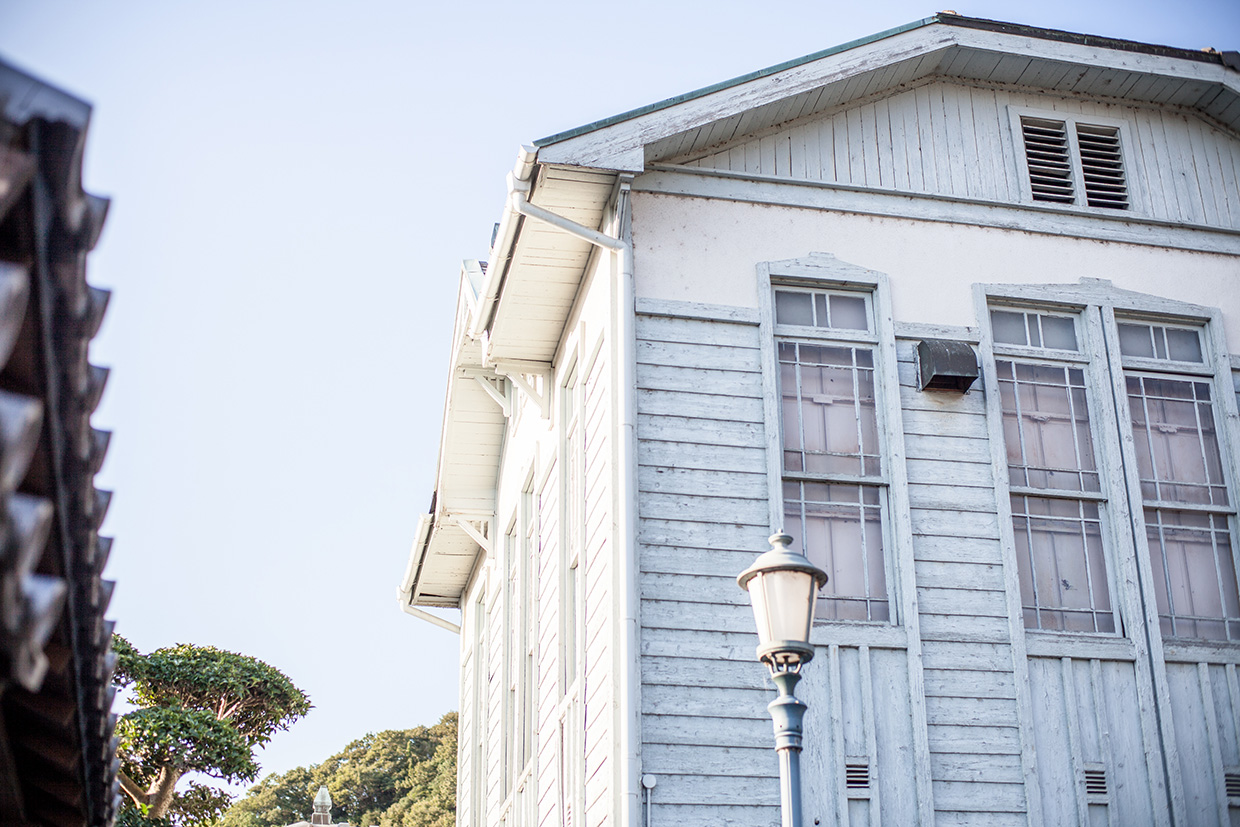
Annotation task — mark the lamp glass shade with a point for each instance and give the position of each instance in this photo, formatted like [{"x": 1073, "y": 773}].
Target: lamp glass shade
[{"x": 783, "y": 605}]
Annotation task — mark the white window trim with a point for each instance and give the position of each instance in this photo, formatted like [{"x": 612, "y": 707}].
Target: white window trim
[
  {"x": 1137, "y": 199},
  {"x": 823, "y": 271},
  {"x": 1128, "y": 553}
]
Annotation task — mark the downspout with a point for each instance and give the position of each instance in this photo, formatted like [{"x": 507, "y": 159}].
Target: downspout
[{"x": 628, "y": 599}]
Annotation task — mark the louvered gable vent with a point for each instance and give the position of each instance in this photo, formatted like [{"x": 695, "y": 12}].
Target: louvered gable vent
[
  {"x": 1046, "y": 154},
  {"x": 1102, "y": 166}
]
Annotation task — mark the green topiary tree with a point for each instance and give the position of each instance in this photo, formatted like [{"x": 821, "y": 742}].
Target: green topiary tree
[{"x": 200, "y": 710}]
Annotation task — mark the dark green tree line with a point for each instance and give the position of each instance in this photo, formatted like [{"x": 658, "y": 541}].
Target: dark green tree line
[{"x": 394, "y": 778}]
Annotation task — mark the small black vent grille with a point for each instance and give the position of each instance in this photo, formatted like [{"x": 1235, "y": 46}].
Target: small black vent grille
[
  {"x": 857, "y": 774},
  {"x": 1102, "y": 166},
  {"x": 1046, "y": 153},
  {"x": 1231, "y": 780},
  {"x": 1096, "y": 782}
]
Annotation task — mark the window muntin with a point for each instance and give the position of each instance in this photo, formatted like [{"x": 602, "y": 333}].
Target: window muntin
[
  {"x": 1194, "y": 574},
  {"x": 1061, "y": 564},
  {"x": 1033, "y": 329},
  {"x": 1152, "y": 341},
  {"x": 1052, "y": 473},
  {"x": 1180, "y": 468},
  {"x": 830, "y": 422},
  {"x": 841, "y": 525},
  {"x": 1046, "y": 426},
  {"x": 834, "y": 487},
  {"x": 822, "y": 309},
  {"x": 1174, "y": 453}
]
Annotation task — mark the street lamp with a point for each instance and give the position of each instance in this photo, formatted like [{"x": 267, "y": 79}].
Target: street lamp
[{"x": 783, "y": 588}]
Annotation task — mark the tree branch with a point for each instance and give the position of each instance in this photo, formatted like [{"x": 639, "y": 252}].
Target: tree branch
[{"x": 132, "y": 789}]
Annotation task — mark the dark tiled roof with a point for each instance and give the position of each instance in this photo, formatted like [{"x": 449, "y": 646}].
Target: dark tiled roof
[{"x": 57, "y": 750}]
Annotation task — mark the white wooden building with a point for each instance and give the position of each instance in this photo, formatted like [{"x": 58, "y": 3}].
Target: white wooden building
[{"x": 700, "y": 322}]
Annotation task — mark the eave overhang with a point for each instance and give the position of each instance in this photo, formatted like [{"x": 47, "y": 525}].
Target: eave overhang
[
  {"x": 510, "y": 320},
  {"x": 945, "y": 45}
]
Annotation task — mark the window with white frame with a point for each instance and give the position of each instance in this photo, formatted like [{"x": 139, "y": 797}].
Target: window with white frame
[
  {"x": 1149, "y": 435},
  {"x": 833, "y": 476},
  {"x": 1187, "y": 507},
  {"x": 1052, "y": 471}
]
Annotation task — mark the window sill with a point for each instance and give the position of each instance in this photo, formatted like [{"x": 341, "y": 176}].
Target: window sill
[
  {"x": 1183, "y": 650},
  {"x": 1078, "y": 645},
  {"x": 879, "y": 635}
]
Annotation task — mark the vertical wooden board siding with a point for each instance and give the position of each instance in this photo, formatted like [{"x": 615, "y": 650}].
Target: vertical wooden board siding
[
  {"x": 955, "y": 140},
  {"x": 858, "y": 709},
  {"x": 1082, "y": 713},
  {"x": 596, "y": 559},
  {"x": 1196, "y": 732}
]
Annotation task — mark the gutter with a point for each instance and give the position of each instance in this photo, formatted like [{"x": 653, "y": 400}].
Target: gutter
[
  {"x": 426, "y": 524},
  {"x": 627, "y": 599},
  {"x": 519, "y": 180}
]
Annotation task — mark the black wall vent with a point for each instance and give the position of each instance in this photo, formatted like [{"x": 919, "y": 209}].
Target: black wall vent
[{"x": 946, "y": 365}]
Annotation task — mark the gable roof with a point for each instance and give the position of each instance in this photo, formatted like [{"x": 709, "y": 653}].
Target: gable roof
[
  {"x": 514, "y": 312},
  {"x": 946, "y": 45}
]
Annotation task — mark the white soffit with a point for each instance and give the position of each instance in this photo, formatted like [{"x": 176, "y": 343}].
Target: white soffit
[
  {"x": 469, "y": 453},
  {"x": 547, "y": 265},
  {"x": 712, "y": 117}
]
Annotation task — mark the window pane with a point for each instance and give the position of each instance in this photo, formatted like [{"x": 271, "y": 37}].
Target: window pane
[
  {"x": 1136, "y": 340},
  {"x": 1194, "y": 573},
  {"x": 1058, "y": 332},
  {"x": 1008, "y": 327},
  {"x": 848, "y": 313},
  {"x": 839, "y": 528},
  {"x": 793, "y": 308},
  {"x": 1046, "y": 427},
  {"x": 1060, "y": 565},
  {"x": 1176, "y": 444},
  {"x": 829, "y": 416},
  {"x": 1183, "y": 345},
  {"x": 839, "y": 311}
]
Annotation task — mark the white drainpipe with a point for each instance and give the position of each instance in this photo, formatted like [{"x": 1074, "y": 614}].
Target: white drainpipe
[{"x": 628, "y": 599}]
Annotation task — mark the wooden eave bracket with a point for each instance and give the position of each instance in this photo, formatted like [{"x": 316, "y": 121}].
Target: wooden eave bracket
[
  {"x": 478, "y": 527},
  {"x": 499, "y": 390},
  {"x": 526, "y": 376}
]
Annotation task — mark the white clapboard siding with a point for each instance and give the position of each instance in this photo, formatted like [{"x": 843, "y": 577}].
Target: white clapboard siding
[
  {"x": 704, "y": 512},
  {"x": 956, "y": 140},
  {"x": 971, "y": 709},
  {"x": 702, "y": 505}
]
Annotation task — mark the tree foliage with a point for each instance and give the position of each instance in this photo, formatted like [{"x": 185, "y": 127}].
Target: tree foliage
[
  {"x": 395, "y": 778},
  {"x": 199, "y": 710}
]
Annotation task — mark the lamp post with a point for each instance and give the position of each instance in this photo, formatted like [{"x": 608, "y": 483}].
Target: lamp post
[{"x": 783, "y": 586}]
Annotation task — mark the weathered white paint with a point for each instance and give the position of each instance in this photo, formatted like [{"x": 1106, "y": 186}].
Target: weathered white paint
[
  {"x": 687, "y": 248},
  {"x": 959, "y": 141}
]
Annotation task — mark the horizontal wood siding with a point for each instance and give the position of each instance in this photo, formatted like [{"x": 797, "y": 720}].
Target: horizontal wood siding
[
  {"x": 956, "y": 140},
  {"x": 704, "y": 511},
  {"x": 971, "y": 711},
  {"x": 702, "y": 516}
]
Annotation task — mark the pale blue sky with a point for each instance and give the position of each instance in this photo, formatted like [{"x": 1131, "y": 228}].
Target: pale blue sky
[{"x": 294, "y": 185}]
